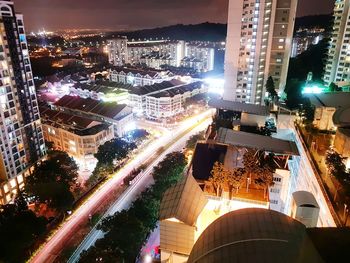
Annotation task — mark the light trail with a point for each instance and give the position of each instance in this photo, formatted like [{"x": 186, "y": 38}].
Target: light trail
[{"x": 49, "y": 251}]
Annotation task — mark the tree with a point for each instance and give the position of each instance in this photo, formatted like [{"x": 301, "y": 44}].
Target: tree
[
  {"x": 19, "y": 229},
  {"x": 137, "y": 134},
  {"x": 335, "y": 165},
  {"x": 168, "y": 172},
  {"x": 124, "y": 234},
  {"x": 250, "y": 162},
  {"x": 115, "y": 149},
  {"x": 337, "y": 169},
  {"x": 53, "y": 181},
  {"x": 236, "y": 178},
  {"x": 264, "y": 178},
  {"x": 219, "y": 175},
  {"x": 270, "y": 88},
  {"x": 264, "y": 171},
  {"x": 192, "y": 141},
  {"x": 147, "y": 208},
  {"x": 333, "y": 87}
]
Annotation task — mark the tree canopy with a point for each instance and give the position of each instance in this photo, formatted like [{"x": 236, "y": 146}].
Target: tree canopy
[
  {"x": 19, "y": 228},
  {"x": 53, "y": 181},
  {"x": 270, "y": 88},
  {"x": 115, "y": 149}
]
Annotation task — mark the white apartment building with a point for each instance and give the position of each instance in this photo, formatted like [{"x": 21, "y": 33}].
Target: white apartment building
[
  {"x": 259, "y": 41},
  {"x": 199, "y": 57},
  {"x": 117, "y": 51},
  {"x": 22, "y": 142},
  {"x": 163, "y": 100},
  {"x": 79, "y": 137},
  {"x": 137, "y": 77},
  {"x": 338, "y": 62},
  {"x": 157, "y": 53}
]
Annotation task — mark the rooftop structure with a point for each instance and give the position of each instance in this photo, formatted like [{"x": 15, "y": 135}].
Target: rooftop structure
[
  {"x": 334, "y": 99},
  {"x": 184, "y": 202},
  {"x": 255, "y": 141},
  {"x": 118, "y": 114},
  {"x": 341, "y": 118},
  {"x": 331, "y": 110},
  {"x": 254, "y": 235},
  {"x": 79, "y": 136},
  {"x": 103, "y": 109},
  {"x": 76, "y": 124},
  {"x": 239, "y": 107},
  {"x": 147, "y": 90}
]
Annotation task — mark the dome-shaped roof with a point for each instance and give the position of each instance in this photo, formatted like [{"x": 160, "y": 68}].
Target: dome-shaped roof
[
  {"x": 254, "y": 235},
  {"x": 341, "y": 118}
]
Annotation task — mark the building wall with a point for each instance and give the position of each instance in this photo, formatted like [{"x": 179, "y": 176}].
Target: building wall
[
  {"x": 176, "y": 237},
  {"x": 259, "y": 40},
  {"x": 22, "y": 142},
  {"x": 117, "y": 51},
  {"x": 304, "y": 178},
  {"x": 337, "y": 66},
  {"x": 278, "y": 193},
  {"x": 323, "y": 119},
  {"x": 76, "y": 145}
]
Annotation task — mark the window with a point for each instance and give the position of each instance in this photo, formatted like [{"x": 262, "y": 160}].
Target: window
[
  {"x": 275, "y": 190},
  {"x": 277, "y": 179}
]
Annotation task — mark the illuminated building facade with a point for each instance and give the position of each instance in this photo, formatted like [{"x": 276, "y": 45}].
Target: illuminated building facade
[
  {"x": 117, "y": 51},
  {"x": 137, "y": 77},
  {"x": 22, "y": 142},
  {"x": 338, "y": 61},
  {"x": 78, "y": 136},
  {"x": 157, "y": 53},
  {"x": 304, "y": 38},
  {"x": 259, "y": 41}
]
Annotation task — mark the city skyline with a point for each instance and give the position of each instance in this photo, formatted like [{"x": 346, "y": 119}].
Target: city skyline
[{"x": 115, "y": 15}]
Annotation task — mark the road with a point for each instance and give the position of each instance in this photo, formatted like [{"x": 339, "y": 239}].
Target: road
[{"x": 49, "y": 251}]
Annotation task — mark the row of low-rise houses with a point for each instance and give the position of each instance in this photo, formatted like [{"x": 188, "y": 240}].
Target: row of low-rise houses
[
  {"x": 163, "y": 100},
  {"x": 79, "y": 126},
  {"x": 138, "y": 77},
  {"x": 155, "y": 54},
  {"x": 154, "y": 94},
  {"x": 75, "y": 135}
]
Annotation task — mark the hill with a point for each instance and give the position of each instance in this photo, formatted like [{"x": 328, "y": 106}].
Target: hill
[{"x": 201, "y": 32}]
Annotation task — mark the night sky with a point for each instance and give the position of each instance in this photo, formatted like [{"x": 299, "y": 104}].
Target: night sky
[{"x": 133, "y": 14}]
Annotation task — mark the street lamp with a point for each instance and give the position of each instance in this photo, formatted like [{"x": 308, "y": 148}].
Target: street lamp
[{"x": 147, "y": 259}]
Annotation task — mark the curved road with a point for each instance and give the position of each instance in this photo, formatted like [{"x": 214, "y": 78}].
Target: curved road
[{"x": 49, "y": 251}]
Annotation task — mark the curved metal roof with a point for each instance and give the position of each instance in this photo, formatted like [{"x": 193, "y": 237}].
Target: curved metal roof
[
  {"x": 254, "y": 235},
  {"x": 341, "y": 118}
]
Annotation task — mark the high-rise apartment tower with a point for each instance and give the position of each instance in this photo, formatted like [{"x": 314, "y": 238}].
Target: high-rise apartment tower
[
  {"x": 338, "y": 62},
  {"x": 22, "y": 142},
  {"x": 117, "y": 51},
  {"x": 259, "y": 40}
]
